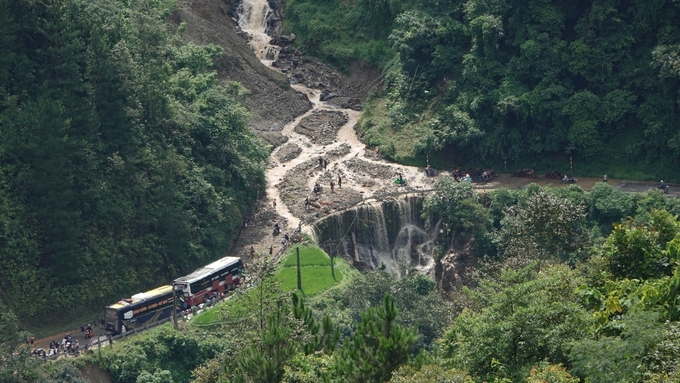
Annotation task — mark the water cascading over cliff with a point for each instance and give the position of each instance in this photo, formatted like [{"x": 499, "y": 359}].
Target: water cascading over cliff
[
  {"x": 253, "y": 19},
  {"x": 388, "y": 235}
]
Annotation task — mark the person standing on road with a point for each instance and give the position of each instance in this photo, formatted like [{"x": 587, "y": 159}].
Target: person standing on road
[
  {"x": 604, "y": 178},
  {"x": 123, "y": 330}
]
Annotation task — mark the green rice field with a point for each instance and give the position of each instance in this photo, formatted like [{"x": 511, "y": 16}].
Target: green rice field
[{"x": 315, "y": 270}]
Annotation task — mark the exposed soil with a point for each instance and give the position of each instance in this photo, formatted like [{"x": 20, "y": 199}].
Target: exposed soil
[
  {"x": 272, "y": 102},
  {"x": 256, "y": 232},
  {"x": 339, "y": 90},
  {"x": 93, "y": 374},
  {"x": 288, "y": 152},
  {"x": 282, "y": 116},
  {"x": 322, "y": 126}
]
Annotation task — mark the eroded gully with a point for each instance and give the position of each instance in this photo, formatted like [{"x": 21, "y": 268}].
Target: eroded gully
[{"x": 253, "y": 20}]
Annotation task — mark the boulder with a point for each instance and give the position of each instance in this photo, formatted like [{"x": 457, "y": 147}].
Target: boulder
[{"x": 327, "y": 95}]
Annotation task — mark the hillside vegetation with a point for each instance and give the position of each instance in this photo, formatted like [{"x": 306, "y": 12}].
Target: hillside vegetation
[
  {"x": 123, "y": 162},
  {"x": 558, "y": 294},
  {"x": 479, "y": 82}
]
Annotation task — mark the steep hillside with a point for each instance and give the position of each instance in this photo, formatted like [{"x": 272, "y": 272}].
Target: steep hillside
[
  {"x": 271, "y": 100},
  {"x": 527, "y": 83},
  {"x": 124, "y": 160}
]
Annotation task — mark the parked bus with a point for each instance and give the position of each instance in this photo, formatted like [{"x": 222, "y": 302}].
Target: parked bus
[
  {"x": 143, "y": 308},
  {"x": 211, "y": 280}
]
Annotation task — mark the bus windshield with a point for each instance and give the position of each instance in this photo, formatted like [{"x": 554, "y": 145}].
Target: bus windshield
[{"x": 111, "y": 315}]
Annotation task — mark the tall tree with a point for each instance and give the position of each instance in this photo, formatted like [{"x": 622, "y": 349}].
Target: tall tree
[{"x": 377, "y": 347}]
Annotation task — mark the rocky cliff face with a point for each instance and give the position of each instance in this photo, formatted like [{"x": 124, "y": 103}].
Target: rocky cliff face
[
  {"x": 272, "y": 102},
  {"x": 275, "y": 21}
]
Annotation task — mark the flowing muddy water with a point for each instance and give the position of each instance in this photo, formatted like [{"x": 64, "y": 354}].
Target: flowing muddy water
[
  {"x": 253, "y": 20},
  {"x": 364, "y": 234}
]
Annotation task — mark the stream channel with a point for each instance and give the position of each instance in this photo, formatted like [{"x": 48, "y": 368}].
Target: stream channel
[{"x": 384, "y": 233}]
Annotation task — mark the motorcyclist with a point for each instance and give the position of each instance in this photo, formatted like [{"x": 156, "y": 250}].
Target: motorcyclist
[
  {"x": 662, "y": 185},
  {"x": 277, "y": 228}
]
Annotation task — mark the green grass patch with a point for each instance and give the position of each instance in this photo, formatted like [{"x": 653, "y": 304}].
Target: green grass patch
[
  {"x": 314, "y": 279},
  {"x": 208, "y": 316},
  {"x": 309, "y": 256},
  {"x": 315, "y": 270}
]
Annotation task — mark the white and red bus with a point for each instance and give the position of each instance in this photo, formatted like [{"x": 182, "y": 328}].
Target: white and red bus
[{"x": 223, "y": 274}]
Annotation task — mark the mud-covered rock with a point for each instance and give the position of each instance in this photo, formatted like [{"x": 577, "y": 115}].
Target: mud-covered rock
[
  {"x": 288, "y": 152},
  {"x": 275, "y": 19},
  {"x": 298, "y": 183},
  {"x": 283, "y": 40},
  {"x": 327, "y": 95},
  {"x": 349, "y": 90},
  {"x": 453, "y": 271},
  {"x": 322, "y": 126},
  {"x": 370, "y": 170}
]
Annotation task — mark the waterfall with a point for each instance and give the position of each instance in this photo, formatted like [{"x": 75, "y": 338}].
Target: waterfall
[
  {"x": 387, "y": 235},
  {"x": 253, "y": 19}
]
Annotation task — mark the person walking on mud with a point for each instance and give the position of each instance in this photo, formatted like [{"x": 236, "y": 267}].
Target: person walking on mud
[
  {"x": 321, "y": 162},
  {"x": 306, "y": 202},
  {"x": 325, "y": 164},
  {"x": 339, "y": 181},
  {"x": 332, "y": 185}
]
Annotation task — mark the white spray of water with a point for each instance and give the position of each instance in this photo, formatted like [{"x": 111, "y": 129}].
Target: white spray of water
[{"x": 253, "y": 16}]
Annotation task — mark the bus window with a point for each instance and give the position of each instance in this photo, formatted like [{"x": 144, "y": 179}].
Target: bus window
[{"x": 127, "y": 315}]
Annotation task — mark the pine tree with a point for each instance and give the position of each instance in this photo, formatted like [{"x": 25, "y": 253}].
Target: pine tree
[{"x": 377, "y": 347}]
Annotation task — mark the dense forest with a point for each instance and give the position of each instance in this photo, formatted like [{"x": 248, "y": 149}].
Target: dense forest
[
  {"x": 530, "y": 83},
  {"x": 123, "y": 162},
  {"x": 560, "y": 294}
]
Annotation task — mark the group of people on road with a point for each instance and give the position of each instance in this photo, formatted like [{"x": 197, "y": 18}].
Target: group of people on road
[
  {"x": 429, "y": 171},
  {"x": 87, "y": 330},
  {"x": 458, "y": 176},
  {"x": 67, "y": 345},
  {"x": 276, "y": 231},
  {"x": 323, "y": 163},
  {"x": 318, "y": 188}
]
